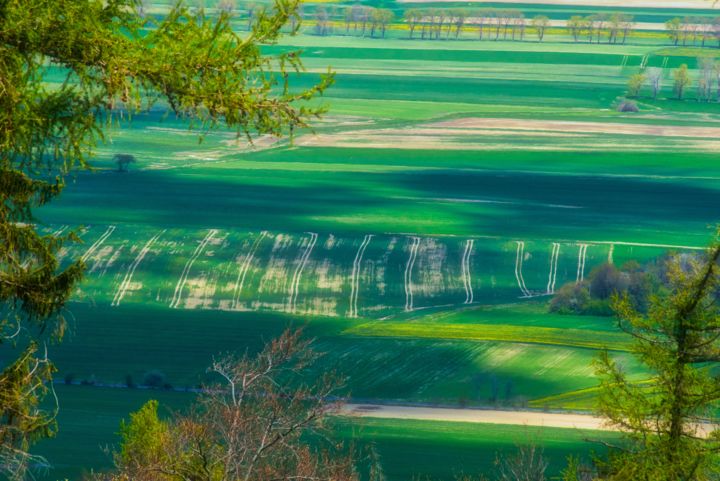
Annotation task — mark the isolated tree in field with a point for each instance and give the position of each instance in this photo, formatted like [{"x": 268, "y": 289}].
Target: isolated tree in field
[
  {"x": 540, "y": 23},
  {"x": 682, "y": 80},
  {"x": 664, "y": 420},
  {"x": 264, "y": 420},
  {"x": 112, "y": 57},
  {"x": 635, "y": 84},
  {"x": 123, "y": 161},
  {"x": 706, "y": 79},
  {"x": 655, "y": 77}
]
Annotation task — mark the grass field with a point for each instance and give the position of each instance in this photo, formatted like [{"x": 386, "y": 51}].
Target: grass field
[
  {"x": 407, "y": 448},
  {"x": 414, "y": 234}
]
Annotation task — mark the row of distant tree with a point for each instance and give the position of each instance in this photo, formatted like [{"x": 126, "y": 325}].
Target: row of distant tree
[
  {"x": 489, "y": 23},
  {"x": 507, "y": 24},
  {"x": 694, "y": 30},
  {"x": 707, "y": 81}
]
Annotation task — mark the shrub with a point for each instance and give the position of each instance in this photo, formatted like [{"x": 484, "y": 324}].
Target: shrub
[
  {"x": 627, "y": 106},
  {"x": 154, "y": 379},
  {"x": 572, "y": 298}
]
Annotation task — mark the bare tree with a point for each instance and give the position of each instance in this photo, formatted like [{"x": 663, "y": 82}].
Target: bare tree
[
  {"x": 483, "y": 18},
  {"x": 263, "y": 421},
  {"x": 322, "y": 20},
  {"x": 540, "y": 23},
  {"x": 575, "y": 26},
  {"x": 227, "y": 6},
  {"x": 626, "y": 25},
  {"x": 654, "y": 77},
  {"x": 706, "y": 79},
  {"x": 527, "y": 464},
  {"x": 412, "y": 18}
]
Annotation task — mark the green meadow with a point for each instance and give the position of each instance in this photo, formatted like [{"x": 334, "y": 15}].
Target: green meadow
[{"x": 417, "y": 232}]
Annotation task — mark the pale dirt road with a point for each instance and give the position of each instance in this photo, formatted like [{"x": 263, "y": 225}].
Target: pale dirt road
[
  {"x": 489, "y": 416},
  {"x": 485, "y": 416}
]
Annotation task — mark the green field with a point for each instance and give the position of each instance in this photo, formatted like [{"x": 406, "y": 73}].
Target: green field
[{"x": 413, "y": 234}]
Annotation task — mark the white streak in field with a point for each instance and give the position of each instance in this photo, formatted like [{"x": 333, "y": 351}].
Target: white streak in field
[
  {"x": 467, "y": 280},
  {"x": 177, "y": 295},
  {"x": 295, "y": 284},
  {"x": 519, "y": 257},
  {"x": 552, "y": 276},
  {"x": 355, "y": 276},
  {"x": 97, "y": 243},
  {"x": 131, "y": 270},
  {"x": 242, "y": 272},
  {"x": 408, "y": 273},
  {"x": 610, "y": 253},
  {"x": 582, "y": 254},
  {"x": 59, "y": 231},
  {"x": 643, "y": 244}
]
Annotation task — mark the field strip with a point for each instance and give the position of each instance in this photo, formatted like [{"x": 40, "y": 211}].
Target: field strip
[
  {"x": 295, "y": 283},
  {"x": 177, "y": 295},
  {"x": 355, "y": 276},
  {"x": 490, "y": 416},
  {"x": 552, "y": 276},
  {"x": 483, "y": 416},
  {"x": 554, "y": 336},
  {"x": 582, "y": 256},
  {"x": 98, "y": 243},
  {"x": 242, "y": 272},
  {"x": 671, "y": 4},
  {"x": 131, "y": 270},
  {"x": 519, "y": 257},
  {"x": 565, "y": 126},
  {"x": 408, "y": 273},
  {"x": 642, "y": 244},
  {"x": 467, "y": 279}
]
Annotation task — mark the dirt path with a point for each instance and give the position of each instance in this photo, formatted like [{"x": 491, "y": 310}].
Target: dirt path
[{"x": 486, "y": 416}]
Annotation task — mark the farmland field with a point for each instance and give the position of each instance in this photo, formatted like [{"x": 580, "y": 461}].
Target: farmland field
[{"x": 418, "y": 233}]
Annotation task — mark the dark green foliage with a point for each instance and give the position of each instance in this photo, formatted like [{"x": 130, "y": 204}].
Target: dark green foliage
[{"x": 593, "y": 295}]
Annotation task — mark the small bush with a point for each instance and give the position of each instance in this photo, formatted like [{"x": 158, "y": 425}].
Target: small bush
[
  {"x": 626, "y": 105},
  {"x": 154, "y": 379},
  {"x": 572, "y": 298}
]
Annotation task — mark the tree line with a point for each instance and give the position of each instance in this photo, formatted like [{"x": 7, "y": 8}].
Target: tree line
[
  {"x": 698, "y": 31},
  {"x": 506, "y": 24},
  {"x": 707, "y": 81}
]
